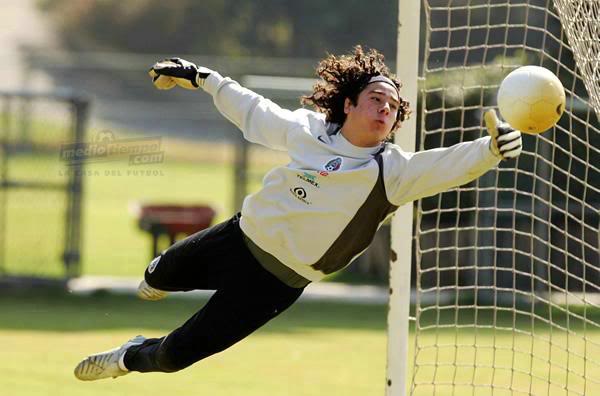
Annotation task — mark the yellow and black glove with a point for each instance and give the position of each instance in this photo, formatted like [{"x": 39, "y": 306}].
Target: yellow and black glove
[
  {"x": 176, "y": 71},
  {"x": 506, "y": 141}
]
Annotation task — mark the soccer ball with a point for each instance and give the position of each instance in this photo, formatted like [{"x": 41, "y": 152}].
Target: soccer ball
[{"x": 531, "y": 99}]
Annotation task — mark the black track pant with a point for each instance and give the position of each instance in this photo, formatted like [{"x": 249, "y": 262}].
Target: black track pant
[{"x": 247, "y": 296}]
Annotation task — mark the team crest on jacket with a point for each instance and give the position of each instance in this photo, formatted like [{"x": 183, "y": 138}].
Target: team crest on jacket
[{"x": 333, "y": 165}]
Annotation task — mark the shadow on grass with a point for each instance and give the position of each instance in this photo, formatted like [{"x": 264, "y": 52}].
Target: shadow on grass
[{"x": 57, "y": 311}]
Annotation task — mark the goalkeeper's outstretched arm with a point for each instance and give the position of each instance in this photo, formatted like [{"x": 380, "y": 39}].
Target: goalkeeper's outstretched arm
[
  {"x": 261, "y": 120},
  {"x": 416, "y": 175}
]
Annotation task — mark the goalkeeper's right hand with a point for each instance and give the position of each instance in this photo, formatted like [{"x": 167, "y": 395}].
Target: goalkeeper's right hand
[
  {"x": 506, "y": 141},
  {"x": 176, "y": 71}
]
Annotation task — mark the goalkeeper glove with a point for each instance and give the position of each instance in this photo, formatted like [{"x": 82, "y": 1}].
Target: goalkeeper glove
[
  {"x": 506, "y": 141},
  {"x": 176, "y": 71}
]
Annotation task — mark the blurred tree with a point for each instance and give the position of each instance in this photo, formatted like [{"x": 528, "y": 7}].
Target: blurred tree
[{"x": 308, "y": 28}]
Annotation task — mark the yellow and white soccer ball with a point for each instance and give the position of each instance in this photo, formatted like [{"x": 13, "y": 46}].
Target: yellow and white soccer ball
[{"x": 531, "y": 99}]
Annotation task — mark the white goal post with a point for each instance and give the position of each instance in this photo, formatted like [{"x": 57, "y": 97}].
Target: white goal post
[
  {"x": 402, "y": 222},
  {"x": 507, "y": 283}
]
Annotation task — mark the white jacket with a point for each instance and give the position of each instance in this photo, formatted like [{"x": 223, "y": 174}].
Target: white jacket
[{"x": 321, "y": 210}]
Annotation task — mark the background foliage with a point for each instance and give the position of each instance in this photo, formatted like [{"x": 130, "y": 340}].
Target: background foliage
[{"x": 306, "y": 28}]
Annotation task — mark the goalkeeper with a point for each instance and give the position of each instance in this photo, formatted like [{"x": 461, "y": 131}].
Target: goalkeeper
[{"x": 311, "y": 218}]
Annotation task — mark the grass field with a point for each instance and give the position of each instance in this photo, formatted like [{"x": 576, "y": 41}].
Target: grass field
[
  {"x": 312, "y": 349},
  {"x": 518, "y": 352},
  {"x": 191, "y": 173}
]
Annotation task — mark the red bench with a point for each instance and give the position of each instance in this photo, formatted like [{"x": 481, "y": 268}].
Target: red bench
[{"x": 172, "y": 220}]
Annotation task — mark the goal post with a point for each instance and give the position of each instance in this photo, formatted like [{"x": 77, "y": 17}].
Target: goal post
[
  {"x": 507, "y": 280},
  {"x": 407, "y": 61}
]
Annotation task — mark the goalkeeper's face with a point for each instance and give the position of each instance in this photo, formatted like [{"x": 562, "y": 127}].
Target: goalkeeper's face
[{"x": 371, "y": 119}]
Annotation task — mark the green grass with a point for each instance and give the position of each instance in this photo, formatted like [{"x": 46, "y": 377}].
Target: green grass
[
  {"x": 312, "y": 349},
  {"x": 112, "y": 244}
]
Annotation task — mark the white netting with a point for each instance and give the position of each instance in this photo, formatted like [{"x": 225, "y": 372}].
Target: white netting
[
  {"x": 581, "y": 22},
  {"x": 508, "y": 278}
]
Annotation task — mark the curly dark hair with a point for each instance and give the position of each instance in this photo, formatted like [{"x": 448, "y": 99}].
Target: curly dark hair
[{"x": 345, "y": 77}]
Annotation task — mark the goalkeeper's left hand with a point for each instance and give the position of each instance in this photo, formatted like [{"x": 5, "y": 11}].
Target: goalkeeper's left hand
[
  {"x": 506, "y": 141},
  {"x": 176, "y": 71}
]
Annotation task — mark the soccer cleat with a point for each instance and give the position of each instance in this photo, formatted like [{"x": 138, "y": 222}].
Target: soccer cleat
[
  {"x": 147, "y": 292},
  {"x": 105, "y": 364}
]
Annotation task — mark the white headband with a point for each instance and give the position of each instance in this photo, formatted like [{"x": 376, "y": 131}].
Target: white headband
[{"x": 383, "y": 79}]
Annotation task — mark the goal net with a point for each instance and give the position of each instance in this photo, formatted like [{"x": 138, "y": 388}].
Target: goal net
[{"x": 508, "y": 267}]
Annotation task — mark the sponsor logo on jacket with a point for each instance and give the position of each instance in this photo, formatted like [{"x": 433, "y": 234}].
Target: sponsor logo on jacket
[
  {"x": 300, "y": 193},
  {"x": 310, "y": 179}
]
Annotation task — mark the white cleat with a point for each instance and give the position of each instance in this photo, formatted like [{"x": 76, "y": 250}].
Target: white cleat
[
  {"x": 105, "y": 364},
  {"x": 147, "y": 292}
]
